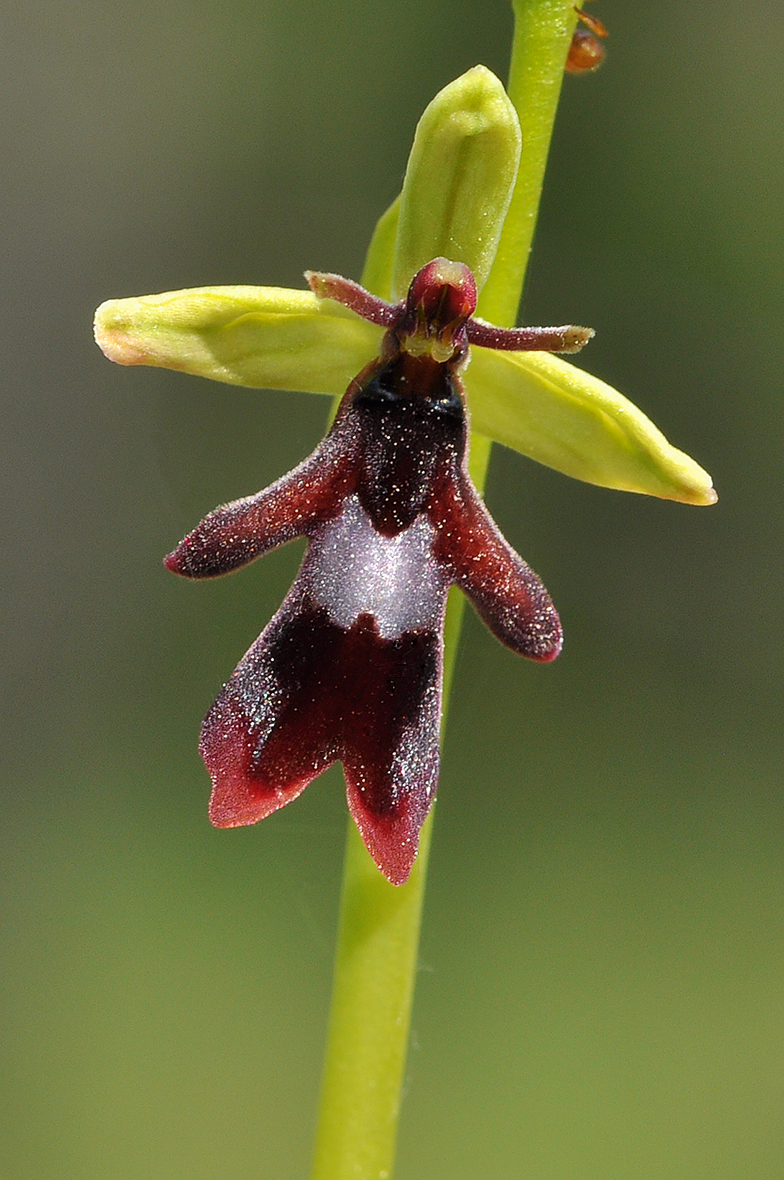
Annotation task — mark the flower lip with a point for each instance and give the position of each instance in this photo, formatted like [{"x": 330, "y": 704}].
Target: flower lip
[{"x": 350, "y": 667}]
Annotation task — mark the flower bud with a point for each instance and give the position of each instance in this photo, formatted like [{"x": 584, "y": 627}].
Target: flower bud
[{"x": 459, "y": 180}]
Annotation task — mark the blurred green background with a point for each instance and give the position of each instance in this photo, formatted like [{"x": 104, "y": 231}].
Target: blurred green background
[{"x": 602, "y": 984}]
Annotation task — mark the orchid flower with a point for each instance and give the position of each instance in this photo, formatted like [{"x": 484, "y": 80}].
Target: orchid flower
[{"x": 350, "y": 667}]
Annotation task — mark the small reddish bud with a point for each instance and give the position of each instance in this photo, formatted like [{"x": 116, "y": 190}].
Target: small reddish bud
[{"x": 586, "y": 53}]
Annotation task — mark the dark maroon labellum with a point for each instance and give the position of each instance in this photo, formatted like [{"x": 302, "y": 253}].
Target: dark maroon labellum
[{"x": 350, "y": 666}]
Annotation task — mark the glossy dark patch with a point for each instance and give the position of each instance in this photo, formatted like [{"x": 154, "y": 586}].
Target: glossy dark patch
[{"x": 309, "y": 692}]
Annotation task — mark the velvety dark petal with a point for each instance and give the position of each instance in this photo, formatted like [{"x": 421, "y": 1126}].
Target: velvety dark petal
[
  {"x": 390, "y": 746},
  {"x": 506, "y": 593},
  {"x": 566, "y": 338},
  {"x": 406, "y": 437},
  {"x": 239, "y": 532},
  {"x": 350, "y": 294},
  {"x": 309, "y": 692}
]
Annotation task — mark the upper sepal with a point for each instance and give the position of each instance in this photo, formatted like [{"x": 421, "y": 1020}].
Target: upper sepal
[{"x": 459, "y": 180}]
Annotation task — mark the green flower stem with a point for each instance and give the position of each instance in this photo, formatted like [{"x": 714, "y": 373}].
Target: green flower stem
[
  {"x": 542, "y": 33},
  {"x": 371, "y": 1007},
  {"x": 378, "y": 936}
]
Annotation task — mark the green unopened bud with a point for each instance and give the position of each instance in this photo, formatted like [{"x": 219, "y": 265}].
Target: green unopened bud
[
  {"x": 563, "y": 417},
  {"x": 264, "y": 337},
  {"x": 459, "y": 180}
]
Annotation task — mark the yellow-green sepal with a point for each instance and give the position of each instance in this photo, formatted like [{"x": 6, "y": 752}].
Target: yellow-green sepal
[
  {"x": 459, "y": 180},
  {"x": 553, "y": 412},
  {"x": 263, "y": 337},
  {"x": 380, "y": 257}
]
